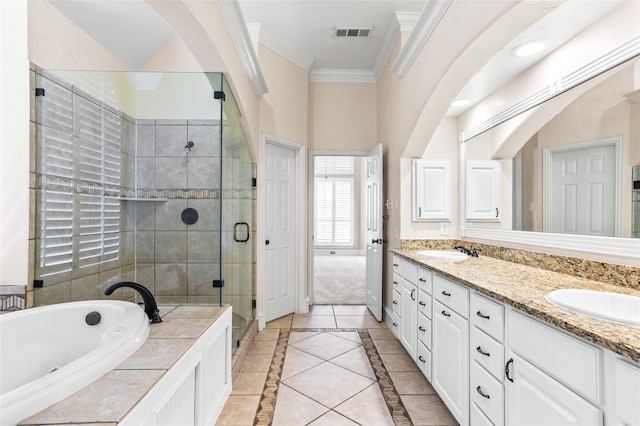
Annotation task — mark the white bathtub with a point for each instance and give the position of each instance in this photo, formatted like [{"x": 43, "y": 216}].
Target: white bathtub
[{"x": 49, "y": 353}]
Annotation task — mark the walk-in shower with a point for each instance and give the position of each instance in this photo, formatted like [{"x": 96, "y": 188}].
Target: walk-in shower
[{"x": 142, "y": 177}]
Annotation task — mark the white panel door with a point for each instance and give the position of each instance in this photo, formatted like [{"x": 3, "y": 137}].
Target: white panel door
[
  {"x": 373, "y": 234},
  {"x": 583, "y": 191},
  {"x": 279, "y": 294}
]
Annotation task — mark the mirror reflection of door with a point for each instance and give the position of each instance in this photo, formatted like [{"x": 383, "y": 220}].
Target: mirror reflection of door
[{"x": 582, "y": 189}]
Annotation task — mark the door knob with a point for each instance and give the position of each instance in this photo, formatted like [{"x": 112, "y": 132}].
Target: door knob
[
  {"x": 378, "y": 241},
  {"x": 267, "y": 242}
]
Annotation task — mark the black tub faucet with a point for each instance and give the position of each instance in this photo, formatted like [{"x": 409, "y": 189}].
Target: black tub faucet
[{"x": 150, "y": 306}]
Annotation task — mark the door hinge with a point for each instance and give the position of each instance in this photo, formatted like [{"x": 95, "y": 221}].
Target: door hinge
[
  {"x": 39, "y": 91},
  {"x": 218, "y": 283},
  {"x": 219, "y": 94}
]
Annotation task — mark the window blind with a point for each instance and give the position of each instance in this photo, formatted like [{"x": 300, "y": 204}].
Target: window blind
[{"x": 334, "y": 211}]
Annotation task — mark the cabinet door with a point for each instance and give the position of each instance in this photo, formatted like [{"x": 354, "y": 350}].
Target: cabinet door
[
  {"x": 431, "y": 190},
  {"x": 534, "y": 398},
  {"x": 450, "y": 353},
  {"x": 409, "y": 317},
  {"x": 483, "y": 190}
]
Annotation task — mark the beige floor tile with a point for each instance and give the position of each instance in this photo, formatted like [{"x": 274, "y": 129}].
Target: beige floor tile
[
  {"x": 325, "y": 345},
  {"x": 320, "y": 310},
  {"x": 398, "y": 362},
  {"x": 256, "y": 364},
  {"x": 367, "y": 408},
  {"x": 381, "y": 333},
  {"x": 332, "y": 419},
  {"x": 427, "y": 410},
  {"x": 328, "y": 384},
  {"x": 356, "y": 360},
  {"x": 296, "y": 336},
  {"x": 349, "y": 335},
  {"x": 262, "y": 347},
  {"x": 284, "y": 322},
  {"x": 389, "y": 347},
  {"x": 293, "y": 408},
  {"x": 239, "y": 411},
  {"x": 411, "y": 383},
  {"x": 300, "y": 321},
  {"x": 356, "y": 322},
  {"x": 249, "y": 383},
  {"x": 268, "y": 334},
  {"x": 358, "y": 310},
  {"x": 296, "y": 362}
]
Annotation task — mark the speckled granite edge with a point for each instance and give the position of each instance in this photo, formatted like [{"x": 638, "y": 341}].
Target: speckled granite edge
[
  {"x": 525, "y": 288},
  {"x": 610, "y": 273}
]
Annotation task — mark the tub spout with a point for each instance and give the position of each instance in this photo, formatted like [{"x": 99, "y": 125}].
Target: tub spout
[{"x": 150, "y": 306}]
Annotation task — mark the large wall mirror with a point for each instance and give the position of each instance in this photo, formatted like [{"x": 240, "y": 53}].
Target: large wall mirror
[{"x": 560, "y": 173}]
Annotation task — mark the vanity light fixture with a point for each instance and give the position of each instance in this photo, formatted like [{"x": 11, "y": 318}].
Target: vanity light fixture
[{"x": 529, "y": 48}]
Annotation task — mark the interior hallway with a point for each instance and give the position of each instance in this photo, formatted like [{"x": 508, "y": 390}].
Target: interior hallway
[{"x": 334, "y": 366}]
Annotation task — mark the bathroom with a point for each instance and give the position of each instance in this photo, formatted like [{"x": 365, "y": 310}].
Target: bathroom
[{"x": 287, "y": 115}]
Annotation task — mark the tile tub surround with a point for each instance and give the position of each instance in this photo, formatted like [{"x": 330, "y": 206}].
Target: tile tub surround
[
  {"x": 610, "y": 273},
  {"x": 121, "y": 388},
  {"x": 525, "y": 287}
]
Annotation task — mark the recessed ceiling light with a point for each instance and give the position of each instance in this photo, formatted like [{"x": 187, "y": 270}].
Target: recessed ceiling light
[
  {"x": 460, "y": 102},
  {"x": 528, "y": 49}
]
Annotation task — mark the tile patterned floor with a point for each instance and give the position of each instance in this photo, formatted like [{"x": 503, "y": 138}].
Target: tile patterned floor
[{"x": 334, "y": 366}]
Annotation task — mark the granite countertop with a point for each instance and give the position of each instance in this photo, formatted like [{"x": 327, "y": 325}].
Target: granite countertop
[
  {"x": 107, "y": 400},
  {"x": 525, "y": 287}
]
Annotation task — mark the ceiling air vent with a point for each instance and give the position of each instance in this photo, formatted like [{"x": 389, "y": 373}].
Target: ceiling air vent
[{"x": 352, "y": 32}]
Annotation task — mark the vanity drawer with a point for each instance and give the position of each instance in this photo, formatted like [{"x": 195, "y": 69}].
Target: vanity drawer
[
  {"x": 395, "y": 324},
  {"x": 424, "y": 360},
  {"x": 424, "y": 330},
  {"x": 487, "y": 352},
  {"x": 487, "y": 393},
  {"x": 487, "y": 315},
  {"x": 477, "y": 417},
  {"x": 410, "y": 271},
  {"x": 396, "y": 282},
  {"x": 396, "y": 264},
  {"x": 424, "y": 303},
  {"x": 451, "y": 295},
  {"x": 396, "y": 301},
  {"x": 425, "y": 280}
]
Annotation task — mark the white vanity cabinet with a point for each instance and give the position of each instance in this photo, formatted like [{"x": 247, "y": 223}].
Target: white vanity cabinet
[
  {"x": 486, "y": 353},
  {"x": 395, "y": 296},
  {"x": 450, "y": 375},
  {"x": 551, "y": 377},
  {"x": 409, "y": 307},
  {"x": 484, "y": 191},
  {"x": 431, "y": 190}
]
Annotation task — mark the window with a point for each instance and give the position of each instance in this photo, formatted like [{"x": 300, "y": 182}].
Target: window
[
  {"x": 334, "y": 201},
  {"x": 80, "y": 173}
]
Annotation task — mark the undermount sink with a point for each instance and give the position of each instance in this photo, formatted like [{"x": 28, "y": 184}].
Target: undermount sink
[
  {"x": 441, "y": 255},
  {"x": 610, "y": 306}
]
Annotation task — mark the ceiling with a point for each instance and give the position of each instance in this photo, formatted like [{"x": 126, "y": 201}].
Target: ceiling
[{"x": 303, "y": 31}]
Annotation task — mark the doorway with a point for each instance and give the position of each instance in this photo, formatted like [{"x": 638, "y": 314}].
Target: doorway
[{"x": 338, "y": 186}]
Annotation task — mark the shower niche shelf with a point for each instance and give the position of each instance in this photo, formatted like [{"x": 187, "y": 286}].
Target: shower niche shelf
[{"x": 154, "y": 200}]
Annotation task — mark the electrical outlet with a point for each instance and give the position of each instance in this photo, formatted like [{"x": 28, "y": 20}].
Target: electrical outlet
[{"x": 444, "y": 228}]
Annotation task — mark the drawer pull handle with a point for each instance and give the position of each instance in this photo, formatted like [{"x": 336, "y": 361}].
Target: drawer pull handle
[
  {"x": 421, "y": 328},
  {"x": 479, "y": 389},
  {"x": 421, "y": 303},
  {"x": 445, "y": 314},
  {"x": 395, "y": 302},
  {"x": 480, "y": 351},
  {"x": 507, "y": 370},
  {"x": 445, "y": 293},
  {"x": 395, "y": 265},
  {"x": 422, "y": 359},
  {"x": 422, "y": 280},
  {"x": 395, "y": 324},
  {"x": 395, "y": 283},
  {"x": 413, "y": 294},
  {"x": 481, "y": 315}
]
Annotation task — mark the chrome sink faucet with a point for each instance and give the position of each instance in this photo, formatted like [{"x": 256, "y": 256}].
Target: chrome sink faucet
[
  {"x": 150, "y": 306},
  {"x": 469, "y": 252}
]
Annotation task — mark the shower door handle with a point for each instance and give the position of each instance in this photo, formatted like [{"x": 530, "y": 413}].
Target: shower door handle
[{"x": 235, "y": 232}]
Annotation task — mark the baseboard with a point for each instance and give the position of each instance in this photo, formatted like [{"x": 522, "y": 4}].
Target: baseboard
[{"x": 339, "y": 252}]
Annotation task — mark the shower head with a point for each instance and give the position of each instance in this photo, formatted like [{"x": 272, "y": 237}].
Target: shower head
[{"x": 188, "y": 146}]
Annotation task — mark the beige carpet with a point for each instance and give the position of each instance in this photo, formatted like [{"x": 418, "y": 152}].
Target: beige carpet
[{"x": 339, "y": 280}]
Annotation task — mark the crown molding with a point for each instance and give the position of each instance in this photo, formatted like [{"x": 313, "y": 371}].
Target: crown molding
[
  {"x": 407, "y": 20},
  {"x": 427, "y": 22},
  {"x": 232, "y": 16},
  {"x": 342, "y": 76},
  {"x": 386, "y": 49}
]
